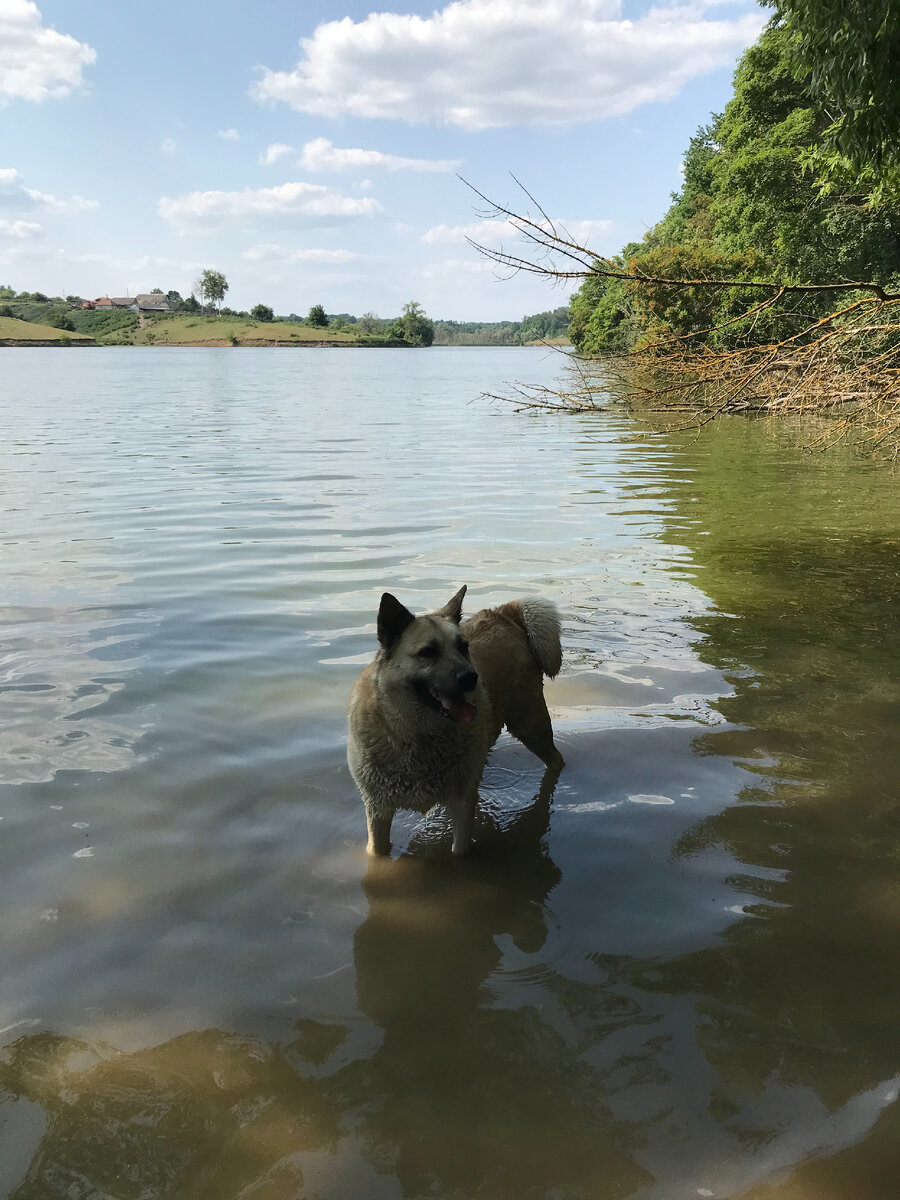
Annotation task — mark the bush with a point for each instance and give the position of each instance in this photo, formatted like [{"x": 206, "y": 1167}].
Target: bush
[{"x": 59, "y": 319}]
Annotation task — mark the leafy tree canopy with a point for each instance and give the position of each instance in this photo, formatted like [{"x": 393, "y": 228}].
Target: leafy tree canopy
[
  {"x": 262, "y": 312},
  {"x": 212, "y": 286},
  {"x": 758, "y": 201},
  {"x": 850, "y": 53}
]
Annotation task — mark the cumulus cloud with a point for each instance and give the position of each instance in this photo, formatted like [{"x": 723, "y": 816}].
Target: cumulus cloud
[
  {"x": 321, "y": 155},
  {"x": 495, "y": 233},
  {"x": 15, "y": 195},
  {"x": 275, "y": 153},
  {"x": 482, "y": 64},
  {"x": 37, "y": 63},
  {"x": 289, "y": 203},
  {"x": 229, "y": 135},
  {"x": 20, "y": 229},
  {"x": 271, "y": 252}
]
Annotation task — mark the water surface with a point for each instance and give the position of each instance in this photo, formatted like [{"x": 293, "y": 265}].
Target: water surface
[{"x": 675, "y": 976}]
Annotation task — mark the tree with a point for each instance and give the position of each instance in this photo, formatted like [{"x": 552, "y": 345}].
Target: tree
[
  {"x": 174, "y": 300},
  {"x": 850, "y": 53},
  {"x": 262, "y": 312},
  {"x": 414, "y": 327},
  {"x": 368, "y": 323},
  {"x": 58, "y": 318},
  {"x": 191, "y": 304},
  {"x": 317, "y": 317},
  {"x": 156, "y": 292},
  {"x": 212, "y": 286}
]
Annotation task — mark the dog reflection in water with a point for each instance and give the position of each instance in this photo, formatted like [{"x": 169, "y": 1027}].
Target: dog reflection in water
[{"x": 426, "y": 712}]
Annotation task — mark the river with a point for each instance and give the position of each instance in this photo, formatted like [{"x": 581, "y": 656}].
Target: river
[{"x": 677, "y": 976}]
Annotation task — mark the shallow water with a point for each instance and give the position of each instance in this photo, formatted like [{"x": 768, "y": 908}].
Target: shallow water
[{"x": 676, "y": 976}]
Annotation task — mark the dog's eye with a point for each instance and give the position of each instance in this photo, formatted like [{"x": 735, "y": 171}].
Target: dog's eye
[
  {"x": 429, "y": 651},
  {"x": 462, "y": 646}
]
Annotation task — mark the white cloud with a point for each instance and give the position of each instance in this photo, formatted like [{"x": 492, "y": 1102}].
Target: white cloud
[
  {"x": 37, "y": 63},
  {"x": 495, "y": 233},
  {"x": 60, "y": 203},
  {"x": 271, "y": 252},
  {"x": 482, "y": 64},
  {"x": 20, "y": 229},
  {"x": 294, "y": 203},
  {"x": 321, "y": 155},
  {"x": 457, "y": 268},
  {"x": 229, "y": 135},
  {"x": 274, "y": 153},
  {"x": 168, "y": 145},
  {"x": 15, "y": 195}
]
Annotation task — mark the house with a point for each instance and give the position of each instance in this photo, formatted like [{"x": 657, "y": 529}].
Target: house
[
  {"x": 147, "y": 302},
  {"x": 152, "y": 302}
]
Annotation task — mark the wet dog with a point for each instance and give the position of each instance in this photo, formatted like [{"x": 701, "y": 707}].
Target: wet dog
[{"x": 426, "y": 712}]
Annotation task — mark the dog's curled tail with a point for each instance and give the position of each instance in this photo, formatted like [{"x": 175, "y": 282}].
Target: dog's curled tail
[{"x": 540, "y": 620}]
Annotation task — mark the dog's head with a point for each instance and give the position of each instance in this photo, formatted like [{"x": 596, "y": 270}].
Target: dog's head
[{"x": 426, "y": 659}]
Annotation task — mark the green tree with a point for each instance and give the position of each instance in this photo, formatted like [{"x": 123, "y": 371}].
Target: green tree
[
  {"x": 850, "y": 53},
  {"x": 59, "y": 319},
  {"x": 212, "y": 286},
  {"x": 317, "y": 317},
  {"x": 262, "y": 312},
  {"x": 413, "y": 326},
  {"x": 191, "y": 304},
  {"x": 174, "y": 300},
  {"x": 368, "y": 323},
  {"x": 757, "y": 202}
]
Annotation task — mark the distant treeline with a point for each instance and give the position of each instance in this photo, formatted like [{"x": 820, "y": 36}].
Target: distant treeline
[{"x": 544, "y": 325}]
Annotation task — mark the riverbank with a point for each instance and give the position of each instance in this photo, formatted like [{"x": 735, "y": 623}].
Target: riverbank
[
  {"x": 14, "y": 332},
  {"x": 192, "y": 330}
]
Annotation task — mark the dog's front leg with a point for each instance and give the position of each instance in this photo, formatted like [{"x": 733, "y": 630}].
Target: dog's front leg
[
  {"x": 379, "y": 826},
  {"x": 462, "y": 814}
]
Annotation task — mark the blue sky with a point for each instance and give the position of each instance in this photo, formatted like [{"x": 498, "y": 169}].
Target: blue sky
[{"x": 309, "y": 150}]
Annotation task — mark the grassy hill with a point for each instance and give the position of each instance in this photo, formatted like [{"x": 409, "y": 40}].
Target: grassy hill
[
  {"x": 14, "y": 330},
  {"x": 189, "y": 329}
]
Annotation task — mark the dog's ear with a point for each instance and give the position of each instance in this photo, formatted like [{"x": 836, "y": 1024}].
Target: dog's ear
[
  {"x": 393, "y": 618},
  {"x": 452, "y": 610}
]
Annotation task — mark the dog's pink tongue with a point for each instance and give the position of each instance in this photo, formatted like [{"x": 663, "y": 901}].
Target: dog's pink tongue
[{"x": 460, "y": 710}]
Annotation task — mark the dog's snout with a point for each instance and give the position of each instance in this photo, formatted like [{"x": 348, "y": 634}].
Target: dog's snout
[{"x": 467, "y": 680}]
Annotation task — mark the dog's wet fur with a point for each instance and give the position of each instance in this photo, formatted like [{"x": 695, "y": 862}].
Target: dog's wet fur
[{"x": 426, "y": 712}]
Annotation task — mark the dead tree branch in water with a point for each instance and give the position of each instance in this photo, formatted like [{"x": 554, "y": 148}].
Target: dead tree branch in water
[{"x": 844, "y": 364}]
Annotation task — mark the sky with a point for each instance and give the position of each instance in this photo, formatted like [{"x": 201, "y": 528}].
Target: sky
[{"x": 316, "y": 152}]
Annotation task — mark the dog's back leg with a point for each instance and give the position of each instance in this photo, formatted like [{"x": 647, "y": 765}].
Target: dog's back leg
[{"x": 528, "y": 720}]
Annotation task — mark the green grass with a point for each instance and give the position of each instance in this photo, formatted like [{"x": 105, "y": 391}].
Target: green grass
[
  {"x": 184, "y": 327},
  {"x": 29, "y": 331}
]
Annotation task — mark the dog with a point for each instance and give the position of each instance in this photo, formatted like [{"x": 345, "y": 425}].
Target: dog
[{"x": 427, "y": 710}]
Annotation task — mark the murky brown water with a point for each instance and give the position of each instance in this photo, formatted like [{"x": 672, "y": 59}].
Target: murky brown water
[{"x": 677, "y": 976}]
